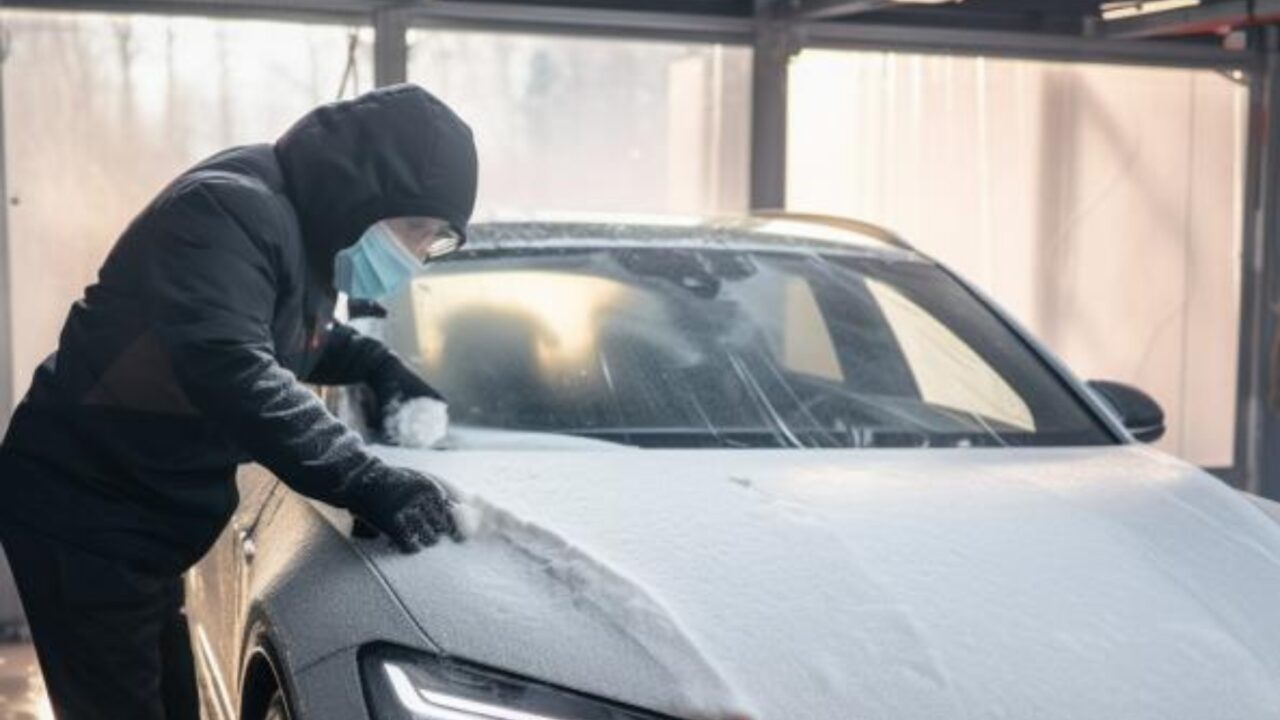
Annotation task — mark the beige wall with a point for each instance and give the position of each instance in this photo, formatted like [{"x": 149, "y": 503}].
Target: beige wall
[{"x": 1099, "y": 204}]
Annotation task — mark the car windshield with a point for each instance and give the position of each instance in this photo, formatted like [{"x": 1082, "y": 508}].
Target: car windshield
[{"x": 694, "y": 345}]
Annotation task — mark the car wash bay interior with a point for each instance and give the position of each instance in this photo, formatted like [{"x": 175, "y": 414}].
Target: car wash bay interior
[{"x": 1110, "y": 181}]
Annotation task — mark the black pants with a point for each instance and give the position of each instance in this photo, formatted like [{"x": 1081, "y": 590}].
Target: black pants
[{"x": 112, "y": 641}]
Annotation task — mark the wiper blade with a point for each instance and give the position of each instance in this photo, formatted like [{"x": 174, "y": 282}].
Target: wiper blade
[{"x": 757, "y": 392}]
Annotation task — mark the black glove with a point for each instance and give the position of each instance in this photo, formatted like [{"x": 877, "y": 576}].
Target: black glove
[
  {"x": 350, "y": 357},
  {"x": 410, "y": 508},
  {"x": 393, "y": 383}
]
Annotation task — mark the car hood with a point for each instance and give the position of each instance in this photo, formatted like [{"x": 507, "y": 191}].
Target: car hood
[{"x": 785, "y": 585}]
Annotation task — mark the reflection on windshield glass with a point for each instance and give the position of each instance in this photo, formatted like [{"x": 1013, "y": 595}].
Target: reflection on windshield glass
[
  {"x": 715, "y": 347},
  {"x": 937, "y": 357},
  {"x": 559, "y": 314}
]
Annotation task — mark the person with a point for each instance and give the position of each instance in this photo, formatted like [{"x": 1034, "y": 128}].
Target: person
[{"x": 188, "y": 356}]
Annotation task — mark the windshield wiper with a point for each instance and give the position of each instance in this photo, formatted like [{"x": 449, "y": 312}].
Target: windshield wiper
[{"x": 779, "y": 425}]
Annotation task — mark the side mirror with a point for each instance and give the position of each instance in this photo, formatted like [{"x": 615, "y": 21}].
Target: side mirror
[{"x": 1140, "y": 414}]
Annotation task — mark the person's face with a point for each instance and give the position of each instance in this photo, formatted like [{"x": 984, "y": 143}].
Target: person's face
[{"x": 426, "y": 237}]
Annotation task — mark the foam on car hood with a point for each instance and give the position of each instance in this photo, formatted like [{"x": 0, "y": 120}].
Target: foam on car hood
[{"x": 792, "y": 585}]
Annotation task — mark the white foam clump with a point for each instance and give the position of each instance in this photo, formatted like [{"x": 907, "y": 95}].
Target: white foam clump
[
  {"x": 468, "y": 515},
  {"x": 419, "y": 423}
]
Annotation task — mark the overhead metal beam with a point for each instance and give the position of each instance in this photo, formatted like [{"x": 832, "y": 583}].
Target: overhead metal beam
[
  {"x": 454, "y": 14},
  {"x": 352, "y": 12},
  {"x": 534, "y": 17},
  {"x": 1206, "y": 19},
  {"x": 831, "y": 9},
  {"x": 952, "y": 41},
  {"x": 531, "y": 17}
]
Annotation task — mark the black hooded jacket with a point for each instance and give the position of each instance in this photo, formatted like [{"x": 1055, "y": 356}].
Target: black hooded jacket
[{"x": 185, "y": 358}]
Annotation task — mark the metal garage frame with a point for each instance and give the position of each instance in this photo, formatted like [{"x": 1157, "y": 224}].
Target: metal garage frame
[
  {"x": 779, "y": 29},
  {"x": 1258, "y": 394}
]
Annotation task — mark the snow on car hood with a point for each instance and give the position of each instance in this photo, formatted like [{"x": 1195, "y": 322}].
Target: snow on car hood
[{"x": 789, "y": 585}]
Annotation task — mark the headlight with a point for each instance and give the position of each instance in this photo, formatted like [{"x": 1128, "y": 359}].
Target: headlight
[{"x": 402, "y": 685}]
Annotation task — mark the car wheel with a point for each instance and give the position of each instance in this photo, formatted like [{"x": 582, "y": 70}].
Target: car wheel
[{"x": 277, "y": 709}]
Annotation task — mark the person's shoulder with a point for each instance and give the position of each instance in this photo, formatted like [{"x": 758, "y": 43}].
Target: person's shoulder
[
  {"x": 247, "y": 170},
  {"x": 242, "y": 183},
  {"x": 254, "y": 165}
]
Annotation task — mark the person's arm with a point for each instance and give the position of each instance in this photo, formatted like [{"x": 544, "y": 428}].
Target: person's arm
[
  {"x": 210, "y": 284},
  {"x": 349, "y": 357}
]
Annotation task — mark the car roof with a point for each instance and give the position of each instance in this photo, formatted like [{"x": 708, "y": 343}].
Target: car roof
[{"x": 760, "y": 229}]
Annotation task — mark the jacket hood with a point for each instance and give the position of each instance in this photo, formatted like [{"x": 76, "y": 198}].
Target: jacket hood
[{"x": 395, "y": 151}]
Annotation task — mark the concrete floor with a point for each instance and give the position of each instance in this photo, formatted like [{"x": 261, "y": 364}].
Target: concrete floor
[{"x": 21, "y": 688}]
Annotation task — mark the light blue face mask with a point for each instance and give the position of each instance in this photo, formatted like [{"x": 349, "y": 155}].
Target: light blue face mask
[{"x": 377, "y": 265}]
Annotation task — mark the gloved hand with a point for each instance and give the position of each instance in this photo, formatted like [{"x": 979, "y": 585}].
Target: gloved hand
[
  {"x": 393, "y": 382},
  {"x": 410, "y": 508}
]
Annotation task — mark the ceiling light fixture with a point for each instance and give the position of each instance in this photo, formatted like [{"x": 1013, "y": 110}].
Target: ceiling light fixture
[{"x": 1135, "y": 8}]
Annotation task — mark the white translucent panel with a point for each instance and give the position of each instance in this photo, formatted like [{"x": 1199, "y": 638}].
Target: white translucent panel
[
  {"x": 102, "y": 110},
  {"x": 1101, "y": 205},
  {"x": 572, "y": 124},
  {"x": 564, "y": 312}
]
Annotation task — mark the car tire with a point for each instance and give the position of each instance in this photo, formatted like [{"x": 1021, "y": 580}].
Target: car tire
[{"x": 277, "y": 708}]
